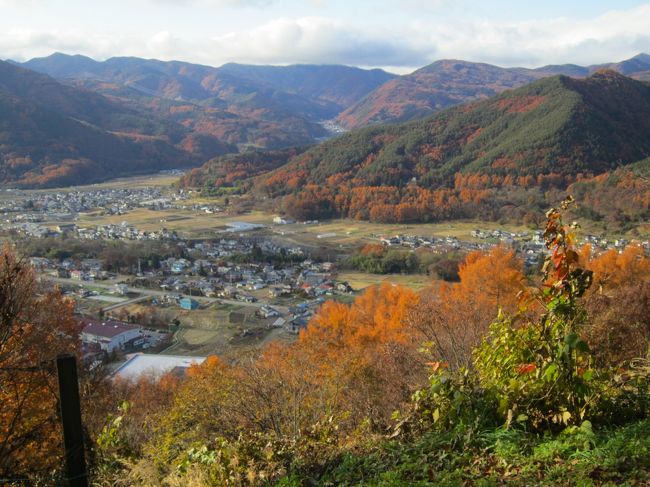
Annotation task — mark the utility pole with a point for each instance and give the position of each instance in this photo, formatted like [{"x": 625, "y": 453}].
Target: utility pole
[{"x": 75, "y": 461}]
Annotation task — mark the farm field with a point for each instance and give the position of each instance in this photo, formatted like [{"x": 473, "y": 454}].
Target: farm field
[
  {"x": 362, "y": 280},
  {"x": 338, "y": 233},
  {"x": 133, "y": 182},
  {"x": 189, "y": 223},
  {"x": 330, "y": 237},
  {"x": 345, "y": 233}
]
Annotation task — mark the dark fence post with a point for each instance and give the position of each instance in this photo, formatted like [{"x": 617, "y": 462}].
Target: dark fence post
[{"x": 75, "y": 461}]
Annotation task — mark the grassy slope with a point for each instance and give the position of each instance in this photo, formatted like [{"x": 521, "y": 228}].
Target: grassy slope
[{"x": 616, "y": 456}]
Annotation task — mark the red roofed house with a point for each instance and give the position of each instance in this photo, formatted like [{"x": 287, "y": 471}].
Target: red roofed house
[{"x": 110, "y": 335}]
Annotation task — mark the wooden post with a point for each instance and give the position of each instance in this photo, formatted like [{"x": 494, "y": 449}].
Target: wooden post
[{"x": 75, "y": 461}]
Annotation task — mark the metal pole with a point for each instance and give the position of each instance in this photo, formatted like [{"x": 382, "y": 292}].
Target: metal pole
[{"x": 75, "y": 461}]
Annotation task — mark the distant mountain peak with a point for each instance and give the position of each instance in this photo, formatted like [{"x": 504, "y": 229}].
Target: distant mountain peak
[
  {"x": 642, "y": 57},
  {"x": 449, "y": 82}
]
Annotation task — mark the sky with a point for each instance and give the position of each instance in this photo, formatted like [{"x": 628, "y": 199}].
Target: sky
[{"x": 397, "y": 35}]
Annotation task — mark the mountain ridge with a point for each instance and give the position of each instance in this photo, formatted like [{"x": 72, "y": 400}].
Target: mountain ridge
[
  {"x": 264, "y": 107},
  {"x": 54, "y": 134},
  {"x": 449, "y": 82},
  {"x": 545, "y": 134}
]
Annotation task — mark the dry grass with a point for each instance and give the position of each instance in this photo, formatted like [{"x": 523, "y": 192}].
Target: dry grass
[{"x": 361, "y": 280}]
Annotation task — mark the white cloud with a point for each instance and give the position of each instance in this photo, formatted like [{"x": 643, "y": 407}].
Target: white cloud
[
  {"x": 613, "y": 36},
  {"x": 609, "y": 37},
  {"x": 318, "y": 40},
  {"x": 21, "y": 44}
]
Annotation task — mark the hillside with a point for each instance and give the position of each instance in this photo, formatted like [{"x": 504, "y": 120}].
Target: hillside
[
  {"x": 621, "y": 197},
  {"x": 430, "y": 89},
  {"x": 260, "y": 106},
  {"x": 79, "y": 104},
  {"x": 232, "y": 173},
  {"x": 545, "y": 134},
  {"x": 53, "y": 134},
  {"x": 451, "y": 82},
  {"x": 341, "y": 85}
]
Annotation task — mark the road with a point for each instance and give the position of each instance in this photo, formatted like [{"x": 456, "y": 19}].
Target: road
[
  {"x": 147, "y": 293},
  {"x": 126, "y": 303}
]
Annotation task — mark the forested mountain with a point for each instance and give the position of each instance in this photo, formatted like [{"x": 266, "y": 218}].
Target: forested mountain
[
  {"x": 546, "y": 134},
  {"x": 129, "y": 115},
  {"x": 430, "y": 89},
  {"x": 451, "y": 82},
  {"x": 316, "y": 89},
  {"x": 341, "y": 85},
  {"x": 261, "y": 106},
  {"x": 233, "y": 173},
  {"x": 171, "y": 114},
  {"x": 558, "y": 124},
  {"x": 53, "y": 134}
]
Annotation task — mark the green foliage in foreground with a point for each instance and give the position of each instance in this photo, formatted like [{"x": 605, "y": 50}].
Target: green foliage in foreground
[{"x": 577, "y": 456}]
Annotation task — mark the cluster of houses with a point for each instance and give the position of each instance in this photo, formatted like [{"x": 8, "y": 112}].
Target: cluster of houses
[
  {"x": 123, "y": 231},
  {"x": 25, "y": 212},
  {"x": 216, "y": 269},
  {"x": 530, "y": 245},
  {"x": 111, "y": 200},
  {"x": 243, "y": 282},
  {"x": 436, "y": 244},
  {"x": 83, "y": 270}
]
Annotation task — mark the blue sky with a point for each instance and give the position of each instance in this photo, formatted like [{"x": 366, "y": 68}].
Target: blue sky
[{"x": 396, "y": 35}]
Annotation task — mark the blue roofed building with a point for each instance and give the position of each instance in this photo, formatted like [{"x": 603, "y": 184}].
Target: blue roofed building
[{"x": 188, "y": 303}]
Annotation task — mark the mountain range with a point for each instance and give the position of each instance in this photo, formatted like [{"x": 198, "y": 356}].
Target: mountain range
[
  {"x": 451, "y": 82},
  {"x": 145, "y": 115},
  {"x": 54, "y": 134},
  {"x": 98, "y": 120},
  {"x": 549, "y": 133},
  {"x": 250, "y": 106},
  {"x": 557, "y": 125}
]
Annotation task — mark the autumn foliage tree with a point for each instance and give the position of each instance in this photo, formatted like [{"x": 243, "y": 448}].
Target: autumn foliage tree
[
  {"x": 619, "y": 325},
  {"x": 352, "y": 362},
  {"x": 613, "y": 269},
  {"x": 454, "y": 317},
  {"x": 364, "y": 353},
  {"x": 35, "y": 326}
]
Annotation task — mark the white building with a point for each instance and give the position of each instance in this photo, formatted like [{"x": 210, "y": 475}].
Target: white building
[
  {"x": 281, "y": 220},
  {"x": 111, "y": 335},
  {"x": 139, "y": 365}
]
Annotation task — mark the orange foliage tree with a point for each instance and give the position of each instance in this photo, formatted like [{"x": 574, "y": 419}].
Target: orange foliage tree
[
  {"x": 352, "y": 362},
  {"x": 613, "y": 269},
  {"x": 454, "y": 317},
  {"x": 35, "y": 326},
  {"x": 619, "y": 322}
]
